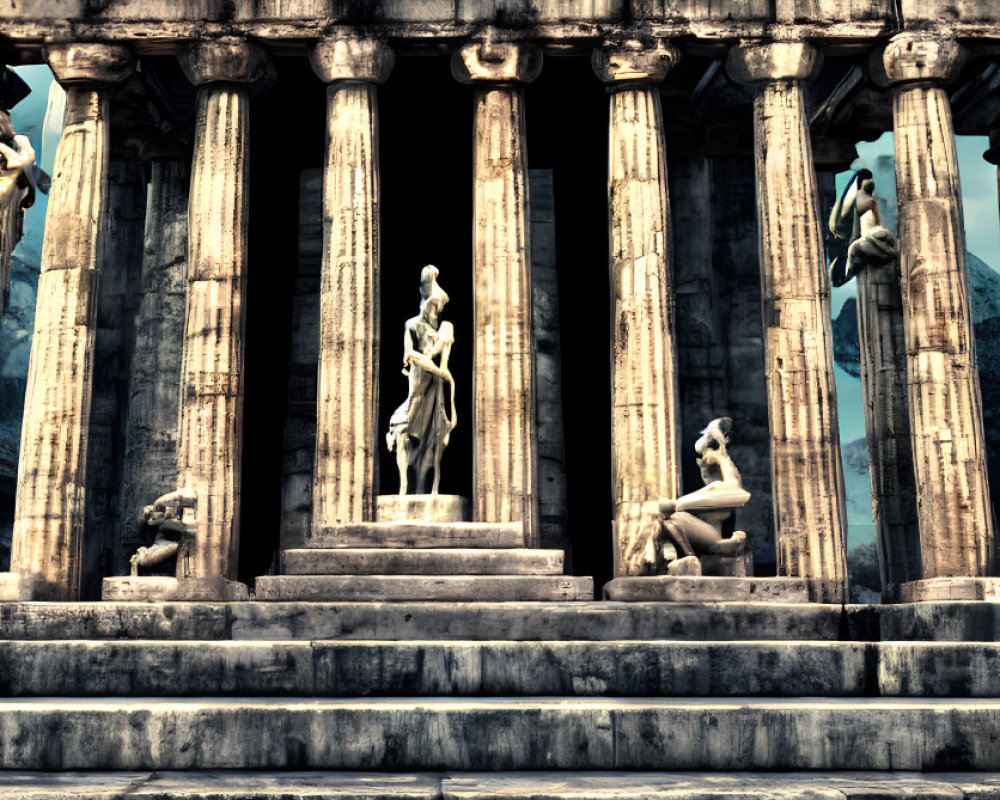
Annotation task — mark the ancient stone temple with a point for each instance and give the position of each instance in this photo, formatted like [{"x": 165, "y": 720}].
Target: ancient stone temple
[{"x": 579, "y": 559}]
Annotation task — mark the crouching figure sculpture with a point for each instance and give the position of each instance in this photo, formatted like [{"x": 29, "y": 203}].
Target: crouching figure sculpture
[
  {"x": 687, "y": 538},
  {"x": 172, "y": 532}
]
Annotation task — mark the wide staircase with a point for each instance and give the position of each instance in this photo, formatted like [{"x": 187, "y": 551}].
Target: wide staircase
[{"x": 498, "y": 700}]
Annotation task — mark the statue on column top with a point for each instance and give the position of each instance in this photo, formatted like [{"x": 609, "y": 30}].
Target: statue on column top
[
  {"x": 856, "y": 222},
  {"x": 420, "y": 428}
]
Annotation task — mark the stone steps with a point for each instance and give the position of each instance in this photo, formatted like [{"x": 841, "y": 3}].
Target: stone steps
[
  {"x": 419, "y": 535},
  {"x": 591, "y": 621},
  {"x": 431, "y": 668},
  {"x": 499, "y": 734},
  {"x": 417, "y": 588},
  {"x": 243, "y": 785},
  {"x": 444, "y": 561},
  {"x": 324, "y": 668}
]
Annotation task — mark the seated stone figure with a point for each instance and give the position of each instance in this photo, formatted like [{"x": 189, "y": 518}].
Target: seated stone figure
[{"x": 688, "y": 537}]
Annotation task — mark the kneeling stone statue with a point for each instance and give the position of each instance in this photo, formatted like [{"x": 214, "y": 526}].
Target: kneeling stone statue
[{"x": 685, "y": 537}]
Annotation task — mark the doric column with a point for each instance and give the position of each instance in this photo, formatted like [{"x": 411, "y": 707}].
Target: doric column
[
  {"x": 503, "y": 388},
  {"x": 211, "y": 408},
  {"x": 807, "y": 477},
  {"x": 956, "y": 525},
  {"x": 644, "y": 442},
  {"x": 347, "y": 397},
  {"x": 151, "y": 429},
  {"x": 49, "y": 515}
]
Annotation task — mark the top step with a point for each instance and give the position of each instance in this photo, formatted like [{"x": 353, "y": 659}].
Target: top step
[{"x": 419, "y": 535}]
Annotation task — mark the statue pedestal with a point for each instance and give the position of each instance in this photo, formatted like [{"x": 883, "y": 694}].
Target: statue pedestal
[
  {"x": 161, "y": 588},
  {"x": 421, "y": 508}
]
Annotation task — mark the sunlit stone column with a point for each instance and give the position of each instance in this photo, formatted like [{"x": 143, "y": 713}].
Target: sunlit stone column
[
  {"x": 347, "y": 399},
  {"x": 49, "y": 515},
  {"x": 211, "y": 406},
  {"x": 956, "y": 525},
  {"x": 807, "y": 477},
  {"x": 644, "y": 440},
  {"x": 505, "y": 438}
]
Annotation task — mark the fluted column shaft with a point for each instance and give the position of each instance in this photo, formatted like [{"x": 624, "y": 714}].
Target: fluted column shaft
[
  {"x": 807, "y": 476},
  {"x": 347, "y": 398},
  {"x": 503, "y": 387},
  {"x": 887, "y": 424},
  {"x": 209, "y": 446},
  {"x": 49, "y": 515},
  {"x": 956, "y": 525},
  {"x": 151, "y": 430},
  {"x": 644, "y": 440}
]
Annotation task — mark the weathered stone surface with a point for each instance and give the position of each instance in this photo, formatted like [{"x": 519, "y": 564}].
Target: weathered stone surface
[
  {"x": 481, "y": 621},
  {"x": 151, "y": 428},
  {"x": 505, "y": 480},
  {"x": 808, "y": 482},
  {"x": 420, "y": 534},
  {"x": 552, "y": 502},
  {"x": 939, "y": 669},
  {"x": 300, "y": 415},
  {"x": 956, "y": 520},
  {"x": 228, "y": 785},
  {"x": 498, "y": 733},
  {"x": 644, "y": 444},
  {"x": 944, "y": 589},
  {"x": 887, "y": 424},
  {"x": 351, "y": 669},
  {"x": 940, "y": 622},
  {"x": 253, "y": 785},
  {"x": 409, "y": 588},
  {"x": 688, "y": 589},
  {"x": 451, "y": 561},
  {"x": 49, "y": 516},
  {"x": 163, "y": 588},
  {"x": 424, "y": 507},
  {"x": 118, "y": 297},
  {"x": 347, "y": 396}
]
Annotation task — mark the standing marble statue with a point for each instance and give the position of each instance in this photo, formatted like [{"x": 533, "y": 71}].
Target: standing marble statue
[
  {"x": 420, "y": 428},
  {"x": 855, "y": 221}
]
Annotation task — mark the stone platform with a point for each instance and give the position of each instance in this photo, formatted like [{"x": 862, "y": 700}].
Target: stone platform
[
  {"x": 256, "y": 785},
  {"x": 163, "y": 588},
  {"x": 714, "y": 589},
  {"x": 432, "y": 588}
]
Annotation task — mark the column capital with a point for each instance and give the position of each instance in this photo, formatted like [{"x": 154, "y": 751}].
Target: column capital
[
  {"x": 626, "y": 62},
  {"x": 87, "y": 64},
  {"x": 922, "y": 56},
  {"x": 499, "y": 62},
  {"x": 225, "y": 60},
  {"x": 759, "y": 62},
  {"x": 352, "y": 59}
]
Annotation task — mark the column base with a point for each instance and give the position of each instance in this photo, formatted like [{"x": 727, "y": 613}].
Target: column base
[
  {"x": 940, "y": 589},
  {"x": 159, "y": 588},
  {"x": 715, "y": 589},
  {"x": 421, "y": 507},
  {"x": 14, "y": 586}
]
